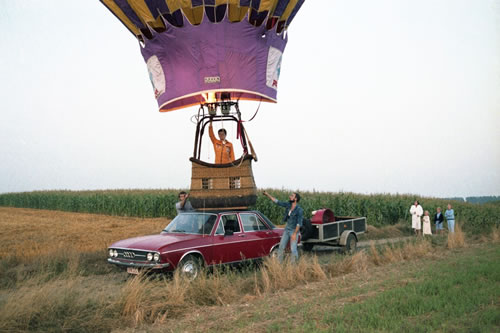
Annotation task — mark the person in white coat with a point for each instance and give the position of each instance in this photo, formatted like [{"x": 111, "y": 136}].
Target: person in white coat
[
  {"x": 426, "y": 224},
  {"x": 416, "y": 212}
]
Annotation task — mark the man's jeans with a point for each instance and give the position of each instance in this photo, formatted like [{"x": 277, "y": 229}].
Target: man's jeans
[
  {"x": 287, "y": 235},
  {"x": 451, "y": 225}
]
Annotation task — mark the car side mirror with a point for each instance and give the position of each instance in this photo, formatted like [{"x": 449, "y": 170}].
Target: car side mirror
[{"x": 228, "y": 233}]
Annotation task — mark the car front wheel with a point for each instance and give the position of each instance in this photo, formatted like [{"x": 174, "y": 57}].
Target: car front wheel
[{"x": 190, "y": 267}]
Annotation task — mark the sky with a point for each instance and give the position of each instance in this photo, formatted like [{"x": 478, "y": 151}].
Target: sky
[{"x": 375, "y": 96}]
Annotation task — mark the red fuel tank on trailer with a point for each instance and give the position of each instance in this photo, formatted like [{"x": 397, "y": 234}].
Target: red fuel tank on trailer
[{"x": 322, "y": 216}]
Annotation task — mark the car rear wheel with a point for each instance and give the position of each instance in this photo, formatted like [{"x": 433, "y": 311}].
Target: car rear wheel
[
  {"x": 306, "y": 229},
  {"x": 351, "y": 244},
  {"x": 307, "y": 246},
  {"x": 190, "y": 267},
  {"x": 274, "y": 252}
]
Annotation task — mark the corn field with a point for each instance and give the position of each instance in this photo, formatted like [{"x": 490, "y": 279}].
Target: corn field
[
  {"x": 137, "y": 203},
  {"x": 379, "y": 209}
]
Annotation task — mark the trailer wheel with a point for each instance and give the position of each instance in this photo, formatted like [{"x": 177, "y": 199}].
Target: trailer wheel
[
  {"x": 307, "y": 246},
  {"x": 306, "y": 229},
  {"x": 351, "y": 244}
]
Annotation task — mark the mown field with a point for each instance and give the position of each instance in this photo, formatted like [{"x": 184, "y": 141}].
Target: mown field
[
  {"x": 380, "y": 209},
  {"x": 54, "y": 278}
]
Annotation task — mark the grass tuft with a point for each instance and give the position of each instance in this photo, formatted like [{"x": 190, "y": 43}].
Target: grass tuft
[
  {"x": 456, "y": 239},
  {"x": 495, "y": 234},
  {"x": 374, "y": 254},
  {"x": 357, "y": 263}
]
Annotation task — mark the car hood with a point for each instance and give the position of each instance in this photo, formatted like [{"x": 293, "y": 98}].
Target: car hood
[{"x": 154, "y": 242}]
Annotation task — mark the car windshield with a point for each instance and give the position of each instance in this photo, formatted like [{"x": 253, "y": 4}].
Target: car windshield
[{"x": 192, "y": 223}]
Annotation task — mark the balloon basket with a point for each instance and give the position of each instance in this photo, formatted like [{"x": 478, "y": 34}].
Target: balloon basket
[{"x": 223, "y": 186}]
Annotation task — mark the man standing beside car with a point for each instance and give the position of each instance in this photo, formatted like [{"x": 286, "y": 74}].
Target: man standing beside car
[{"x": 293, "y": 218}]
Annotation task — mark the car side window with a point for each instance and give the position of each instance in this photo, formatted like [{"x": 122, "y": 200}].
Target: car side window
[
  {"x": 252, "y": 223},
  {"x": 206, "y": 226},
  {"x": 262, "y": 225},
  {"x": 220, "y": 228},
  {"x": 231, "y": 222}
]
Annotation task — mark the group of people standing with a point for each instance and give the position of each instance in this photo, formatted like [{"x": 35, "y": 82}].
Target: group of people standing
[{"x": 424, "y": 225}]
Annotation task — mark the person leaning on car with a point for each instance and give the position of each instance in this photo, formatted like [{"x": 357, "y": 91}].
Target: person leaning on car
[
  {"x": 183, "y": 205},
  {"x": 293, "y": 218}
]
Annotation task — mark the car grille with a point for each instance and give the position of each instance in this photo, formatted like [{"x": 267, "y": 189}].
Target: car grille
[{"x": 133, "y": 255}]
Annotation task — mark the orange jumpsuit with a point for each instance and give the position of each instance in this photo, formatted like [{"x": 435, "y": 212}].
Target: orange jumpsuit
[{"x": 224, "y": 152}]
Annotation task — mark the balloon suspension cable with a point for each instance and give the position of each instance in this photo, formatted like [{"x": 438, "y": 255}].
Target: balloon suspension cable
[
  {"x": 255, "y": 114},
  {"x": 196, "y": 117}
]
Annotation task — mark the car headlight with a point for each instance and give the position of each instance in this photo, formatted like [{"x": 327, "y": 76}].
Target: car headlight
[
  {"x": 150, "y": 256},
  {"x": 111, "y": 252},
  {"x": 156, "y": 256},
  {"x": 115, "y": 253}
]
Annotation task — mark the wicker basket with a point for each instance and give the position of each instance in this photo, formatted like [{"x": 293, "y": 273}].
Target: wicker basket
[{"x": 222, "y": 186}]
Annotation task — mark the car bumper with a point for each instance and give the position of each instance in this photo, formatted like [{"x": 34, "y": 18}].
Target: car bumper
[{"x": 138, "y": 265}]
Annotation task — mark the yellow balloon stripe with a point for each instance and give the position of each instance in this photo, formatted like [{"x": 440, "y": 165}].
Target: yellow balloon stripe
[
  {"x": 237, "y": 13},
  {"x": 267, "y": 5},
  {"x": 173, "y": 5},
  {"x": 143, "y": 12},
  {"x": 288, "y": 10},
  {"x": 194, "y": 15},
  {"x": 121, "y": 16}
]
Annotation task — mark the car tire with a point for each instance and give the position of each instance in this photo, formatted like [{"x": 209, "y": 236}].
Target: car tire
[
  {"x": 351, "y": 244},
  {"x": 190, "y": 267},
  {"x": 307, "y": 246},
  {"x": 274, "y": 252},
  {"x": 306, "y": 229}
]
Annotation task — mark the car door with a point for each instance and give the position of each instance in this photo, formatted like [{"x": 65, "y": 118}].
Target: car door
[
  {"x": 229, "y": 247},
  {"x": 255, "y": 235},
  {"x": 259, "y": 233}
]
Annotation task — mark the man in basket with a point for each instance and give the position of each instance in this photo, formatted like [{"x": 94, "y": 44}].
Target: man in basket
[{"x": 224, "y": 152}]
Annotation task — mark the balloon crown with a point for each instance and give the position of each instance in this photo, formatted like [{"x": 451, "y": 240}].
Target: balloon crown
[{"x": 195, "y": 48}]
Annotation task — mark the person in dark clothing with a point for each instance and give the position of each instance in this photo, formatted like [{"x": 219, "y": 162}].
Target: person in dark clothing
[
  {"x": 293, "y": 218},
  {"x": 438, "y": 219},
  {"x": 183, "y": 205}
]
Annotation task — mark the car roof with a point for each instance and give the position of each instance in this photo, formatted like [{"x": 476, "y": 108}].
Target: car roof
[{"x": 221, "y": 211}]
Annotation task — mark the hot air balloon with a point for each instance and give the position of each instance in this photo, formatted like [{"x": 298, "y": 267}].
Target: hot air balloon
[{"x": 212, "y": 53}]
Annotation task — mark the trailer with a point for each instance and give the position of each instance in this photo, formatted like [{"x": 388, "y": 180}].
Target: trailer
[{"x": 324, "y": 228}]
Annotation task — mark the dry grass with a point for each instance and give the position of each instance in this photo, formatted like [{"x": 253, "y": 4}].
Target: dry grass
[
  {"x": 147, "y": 300},
  {"x": 392, "y": 253},
  {"x": 61, "y": 297},
  {"x": 357, "y": 263},
  {"x": 31, "y": 233},
  {"x": 374, "y": 254},
  {"x": 275, "y": 276},
  {"x": 456, "y": 239},
  {"x": 389, "y": 231},
  {"x": 56, "y": 305},
  {"x": 495, "y": 234}
]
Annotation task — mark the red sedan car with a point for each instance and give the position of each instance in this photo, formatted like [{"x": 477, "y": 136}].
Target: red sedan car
[{"x": 193, "y": 240}]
